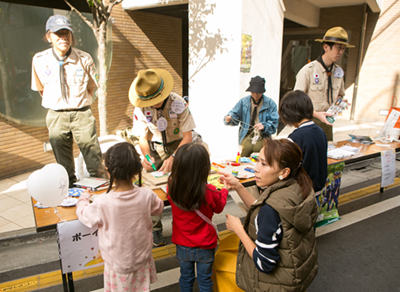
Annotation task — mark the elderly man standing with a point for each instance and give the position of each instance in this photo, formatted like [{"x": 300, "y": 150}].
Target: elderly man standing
[
  {"x": 322, "y": 79},
  {"x": 163, "y": 123},
  {"x": 66, "y": 79}
]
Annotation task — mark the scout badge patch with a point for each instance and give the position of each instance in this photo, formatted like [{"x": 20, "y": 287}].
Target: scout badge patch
[
  {"x": 172, "y": 115},
  {"x": 162, "y": 124},
  {"x": 178, "y": 106},
  {"x": 79, "y": 72},
  {"x": 149, "y": 116},
  {"x": 338, "y": 73},
  {"x": 316, "y": 78}
]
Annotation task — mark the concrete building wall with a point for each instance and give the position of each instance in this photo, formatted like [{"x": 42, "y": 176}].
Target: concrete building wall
[
  {"x": 214, "y": 70},
  {"x": 218, "y": 86},
  {"x": 263, "y": 20},
  {"x": 381, "y": 63}
]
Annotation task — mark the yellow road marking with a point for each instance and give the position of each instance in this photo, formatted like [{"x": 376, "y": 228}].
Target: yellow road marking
[{"x": 357, "y": 194}]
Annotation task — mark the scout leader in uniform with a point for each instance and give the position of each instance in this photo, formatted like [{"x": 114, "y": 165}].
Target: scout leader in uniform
[
  {"x": 322, "y": 79},
  {"x": 66, "y": 79},
  {"x": 163, "y": 122}
]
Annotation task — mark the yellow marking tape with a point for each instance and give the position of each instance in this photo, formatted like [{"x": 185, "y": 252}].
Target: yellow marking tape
[
  {"x": 357, "y": 194},
  {"x": 26, "y": 284}
]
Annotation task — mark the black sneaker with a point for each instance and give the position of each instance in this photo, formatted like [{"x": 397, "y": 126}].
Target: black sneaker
[{"x": 158, "y": 238}]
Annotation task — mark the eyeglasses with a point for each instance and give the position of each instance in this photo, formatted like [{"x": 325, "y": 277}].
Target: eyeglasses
[{"x": 340, "y": 47}]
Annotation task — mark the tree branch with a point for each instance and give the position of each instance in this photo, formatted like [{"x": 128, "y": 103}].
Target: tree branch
[
  {"x": 99, "y": 9},
  {"x": 102, "y": 9},
  {"x": 95, "y": 18},
  {"x": 80, "y": 14},
  {"x": 112, "y": 4}
]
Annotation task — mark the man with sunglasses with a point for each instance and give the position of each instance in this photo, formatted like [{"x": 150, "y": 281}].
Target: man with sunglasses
[
  {"x": 66, "y": 79},
  {"x": 322, "y": 79}
]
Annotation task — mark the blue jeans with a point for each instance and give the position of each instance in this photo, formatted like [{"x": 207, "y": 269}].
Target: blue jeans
[{"x": 204, "y": 258}]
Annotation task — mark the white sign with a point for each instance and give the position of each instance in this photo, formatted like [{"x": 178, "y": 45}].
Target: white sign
[
  {"x": 78, "y": 246},
  {"x": 388, "y": 159}
]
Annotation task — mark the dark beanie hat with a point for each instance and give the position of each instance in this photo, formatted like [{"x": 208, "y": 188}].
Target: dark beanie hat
[{"x": 257, "y": 85}]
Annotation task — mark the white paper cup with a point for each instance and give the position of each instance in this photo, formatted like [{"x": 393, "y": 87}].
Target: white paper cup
[{"x": 394, "y": 134}]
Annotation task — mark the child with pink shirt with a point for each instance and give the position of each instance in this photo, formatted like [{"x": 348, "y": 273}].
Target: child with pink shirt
[
  {"x": 193, "y": 204},
  {"x": 123, "y": 216}
]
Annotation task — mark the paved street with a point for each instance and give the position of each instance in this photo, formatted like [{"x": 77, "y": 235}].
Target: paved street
[{"x": 360, "y": 253}]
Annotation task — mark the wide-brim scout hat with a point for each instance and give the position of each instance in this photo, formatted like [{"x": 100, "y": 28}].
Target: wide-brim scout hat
[
  {"x": 58, "y": 22},
  {"x": 336, "y": 35},
  {"x": 257, "y": 85},
  {"x": 150, "y": 87}
]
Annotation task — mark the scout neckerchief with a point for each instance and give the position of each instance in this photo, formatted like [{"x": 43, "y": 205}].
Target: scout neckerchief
[
  {"x": 160, "y": 112},
  {"x": 329, "y": 74},
  {"x": 254, "y": 114},
  {"x": 62, "y": 76}
]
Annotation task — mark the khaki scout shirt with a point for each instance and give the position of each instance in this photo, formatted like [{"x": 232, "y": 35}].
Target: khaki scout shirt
[
  {"x": 80, "y": 77},
  {"x": 312, "y": 79},
  {"x": 145, "y": 121}
]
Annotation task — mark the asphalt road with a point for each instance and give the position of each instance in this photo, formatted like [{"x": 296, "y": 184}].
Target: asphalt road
[{"x": 361, "y": 257}]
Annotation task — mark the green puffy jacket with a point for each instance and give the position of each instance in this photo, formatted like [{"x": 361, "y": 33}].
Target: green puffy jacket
[{"x": 298, "y": 265}]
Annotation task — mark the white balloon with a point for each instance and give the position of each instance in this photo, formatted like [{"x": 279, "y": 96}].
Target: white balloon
[{"x": 49, "y": 185}]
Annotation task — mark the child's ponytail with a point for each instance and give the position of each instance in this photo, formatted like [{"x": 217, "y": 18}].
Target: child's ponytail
[{"x": 123, "y": 163}]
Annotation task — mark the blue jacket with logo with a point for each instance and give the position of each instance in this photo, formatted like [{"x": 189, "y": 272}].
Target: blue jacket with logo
[{"x": 268, "y": 116}]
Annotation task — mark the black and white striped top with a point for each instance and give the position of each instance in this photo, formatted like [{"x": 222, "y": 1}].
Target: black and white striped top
[{"x": 269, "y": 235}]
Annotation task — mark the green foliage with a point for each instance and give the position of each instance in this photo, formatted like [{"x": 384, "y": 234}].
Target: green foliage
[{"x": 91, "y": 4}]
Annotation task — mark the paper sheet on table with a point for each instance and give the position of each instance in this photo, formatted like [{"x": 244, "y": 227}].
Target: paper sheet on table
[
  {"x": 213, "y": 179},
  {"x": 158, "y": 174},
  {"x": 350, "y": 148},
  {"x": 340, "y": 153}
]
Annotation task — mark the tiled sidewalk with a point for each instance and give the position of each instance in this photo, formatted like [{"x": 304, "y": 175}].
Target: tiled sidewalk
[{"x": 16, "y": 211}]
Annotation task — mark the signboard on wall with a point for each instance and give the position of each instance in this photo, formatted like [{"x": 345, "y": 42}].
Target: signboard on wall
[{"x": 245, "y": 58}]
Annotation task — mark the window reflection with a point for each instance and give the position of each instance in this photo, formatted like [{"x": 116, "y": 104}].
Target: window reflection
[{"x": 22, "y": 28}]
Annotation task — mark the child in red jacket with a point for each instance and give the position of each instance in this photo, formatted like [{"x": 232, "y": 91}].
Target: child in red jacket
[{"x": 193, "y": 204}]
